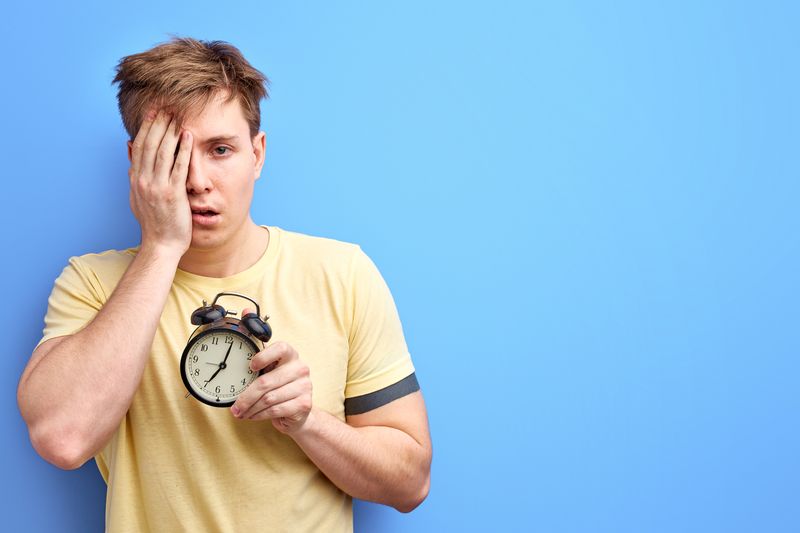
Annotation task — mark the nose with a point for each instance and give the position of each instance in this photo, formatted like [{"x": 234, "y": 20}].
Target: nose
[{"x": 198, "y": 180}]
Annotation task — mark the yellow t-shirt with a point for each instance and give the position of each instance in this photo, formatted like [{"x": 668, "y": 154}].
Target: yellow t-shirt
[{"x": 175, "y": 464}]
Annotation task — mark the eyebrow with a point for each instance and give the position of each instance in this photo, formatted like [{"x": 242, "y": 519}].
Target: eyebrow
[{"x": 220, "y": 138}]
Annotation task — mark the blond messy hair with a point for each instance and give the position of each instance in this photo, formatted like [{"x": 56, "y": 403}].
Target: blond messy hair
[{"x": 182, "y": 76}]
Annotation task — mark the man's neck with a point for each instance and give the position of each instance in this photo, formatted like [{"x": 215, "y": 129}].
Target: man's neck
[{"x": 236, "y": 255}]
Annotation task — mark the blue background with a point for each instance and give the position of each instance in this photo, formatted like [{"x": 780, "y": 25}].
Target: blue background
[{"x": 586, "y": 212}]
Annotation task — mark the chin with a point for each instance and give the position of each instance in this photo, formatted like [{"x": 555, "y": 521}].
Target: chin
[{"x": 206, "y": 240}]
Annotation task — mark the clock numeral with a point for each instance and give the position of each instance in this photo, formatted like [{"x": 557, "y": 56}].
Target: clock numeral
[
  {"x": 249, "y": 371},
  {"x": 217, "y": 389},
  {"x": 250, "y": 356},
  {"x": 196, "y": 371},
  {"x": 204, "y": 347},
  {"x": 195, "y": 358},
  {"x": 240, "y": 345},
  {"x": 244, "y": 382},
  {"x": 233, "y": 388},
  {"x": 228, "y": 339},
  {"x": 215, "y": 340}
]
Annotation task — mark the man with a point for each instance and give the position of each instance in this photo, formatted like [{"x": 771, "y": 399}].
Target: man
[{"x": 340, "y": 416}]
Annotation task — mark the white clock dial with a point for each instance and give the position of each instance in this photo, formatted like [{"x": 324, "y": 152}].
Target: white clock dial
[{"x": 217, "y": 365}]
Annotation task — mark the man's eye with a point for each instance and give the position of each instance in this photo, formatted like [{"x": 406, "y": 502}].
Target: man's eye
[{"x": 221, "y": 150}]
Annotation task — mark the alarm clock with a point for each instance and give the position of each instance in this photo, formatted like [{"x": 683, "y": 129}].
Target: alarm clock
[{"x": 215, "y": 365}]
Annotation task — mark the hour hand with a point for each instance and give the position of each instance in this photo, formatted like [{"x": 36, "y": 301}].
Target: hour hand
[
  {"x": 214, "y": 375},
  {"x": 221, "y": 365}
]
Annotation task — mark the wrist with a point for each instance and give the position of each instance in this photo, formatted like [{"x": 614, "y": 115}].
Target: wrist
[
  {"x": 161, "y": 252},
  {"x": 310, "y": 426}
]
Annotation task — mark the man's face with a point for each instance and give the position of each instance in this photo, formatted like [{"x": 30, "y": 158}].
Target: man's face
[{"x": 224, "y": 165}]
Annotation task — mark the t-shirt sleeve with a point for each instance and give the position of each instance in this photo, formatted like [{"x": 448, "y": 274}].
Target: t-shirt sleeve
[
  {"x": 73, "y": 303},
  {"x": 379, "y": 356}
]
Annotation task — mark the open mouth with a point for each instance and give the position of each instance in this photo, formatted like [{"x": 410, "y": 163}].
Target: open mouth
[{"x": 204, "y": 217}]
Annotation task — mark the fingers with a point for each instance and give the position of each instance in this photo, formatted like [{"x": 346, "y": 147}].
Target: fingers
[
  {"x": 165, "y": 155},
  {"x": 138, "y": 143},
  {"x": 152, "y": 142},
  {"x": 282, "y": 402},
  {"x": 274, "y": 353},
  {"x": 291, "y": 371},
  {"x": 153, "y": 154},
  {"x": 180, "y": 169},
  {"x": 160, "y": 206}
]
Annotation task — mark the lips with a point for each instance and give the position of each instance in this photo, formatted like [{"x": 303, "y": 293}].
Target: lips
[
  {"x": 204, "y": 216},
  {"x": 202, "y": 210}
]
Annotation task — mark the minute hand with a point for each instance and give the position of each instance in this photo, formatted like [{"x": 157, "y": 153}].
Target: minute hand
[
  {"x": 227, "y": 353},
  {"x": 221, "y": 365}
]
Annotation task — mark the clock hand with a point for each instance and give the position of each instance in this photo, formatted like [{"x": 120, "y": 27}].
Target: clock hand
[
  {"x": 214, "y": 375},
  {"x": 227, "y": 353},
  {"x": 221, "y": 365}
]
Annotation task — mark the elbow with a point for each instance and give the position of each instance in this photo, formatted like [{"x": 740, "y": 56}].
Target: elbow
[
  {"x": 417, "y": 498},
  {"x": 59, "y": 449},
  {"x": 421, "y": 487},
  {"x": 66, "y": 461},
  {"x": 62, "y": 447}
]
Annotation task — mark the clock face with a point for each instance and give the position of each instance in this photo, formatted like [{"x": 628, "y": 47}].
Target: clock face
[{"x": 216, "y": 366}]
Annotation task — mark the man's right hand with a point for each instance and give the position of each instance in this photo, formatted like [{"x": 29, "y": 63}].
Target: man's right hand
[
  {"x": 95, "y": 391},
  {"x": 159, "y": 200}
]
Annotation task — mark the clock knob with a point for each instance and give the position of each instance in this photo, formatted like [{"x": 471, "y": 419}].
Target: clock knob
[
  {"x": 208, "y": 314},
  {"x": 257, "y": 327}
]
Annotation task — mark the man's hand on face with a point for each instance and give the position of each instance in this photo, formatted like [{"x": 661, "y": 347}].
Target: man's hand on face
[
  {"x": 283, "y": 394},
  {"x": 159, "y": 200}
]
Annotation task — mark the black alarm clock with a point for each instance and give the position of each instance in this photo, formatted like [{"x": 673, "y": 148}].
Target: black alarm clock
[{"x": 215, "y": 365}]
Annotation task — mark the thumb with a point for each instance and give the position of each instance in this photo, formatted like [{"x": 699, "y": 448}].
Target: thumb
[{"x": 245, "y": 312}]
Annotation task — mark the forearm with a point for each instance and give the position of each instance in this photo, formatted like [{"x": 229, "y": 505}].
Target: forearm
[
  {"x": 75, "y": 397},
  {"x": 376, "y": 463}
]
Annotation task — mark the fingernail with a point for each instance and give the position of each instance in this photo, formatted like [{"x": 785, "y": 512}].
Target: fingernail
[{"x": 235, "y": 411}]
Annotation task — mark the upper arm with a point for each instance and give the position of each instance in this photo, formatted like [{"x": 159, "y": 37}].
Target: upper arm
[
  {"x": 382, "y": 388},
  {"x": 407, "y": 414},
  {"x": 378, "y": 354},
  {"x": 74, "y": 301}
]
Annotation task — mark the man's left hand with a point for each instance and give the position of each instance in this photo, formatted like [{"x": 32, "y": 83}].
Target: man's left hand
[{"x": 282, "y": 395}]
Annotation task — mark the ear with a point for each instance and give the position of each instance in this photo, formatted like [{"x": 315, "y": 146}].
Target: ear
[
  {"x": 259, "y": 149},
  {"x": 130, "y": 151}
]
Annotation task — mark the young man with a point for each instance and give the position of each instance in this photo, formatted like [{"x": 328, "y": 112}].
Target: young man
[{"x": 340, "y": 416}]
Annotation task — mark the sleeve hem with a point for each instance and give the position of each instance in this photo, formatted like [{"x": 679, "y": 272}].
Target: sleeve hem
[
  {"x": 52, "y": 336},
  {"x": 379, "y": 398},
  {"x": 390, "y": 376}
]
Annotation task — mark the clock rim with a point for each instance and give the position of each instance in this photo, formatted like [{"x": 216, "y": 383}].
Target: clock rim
[{"x": 227, "y": 328}]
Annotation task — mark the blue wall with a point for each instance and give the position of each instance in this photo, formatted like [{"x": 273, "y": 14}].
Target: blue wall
[{"x": 587, "y": 214}]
